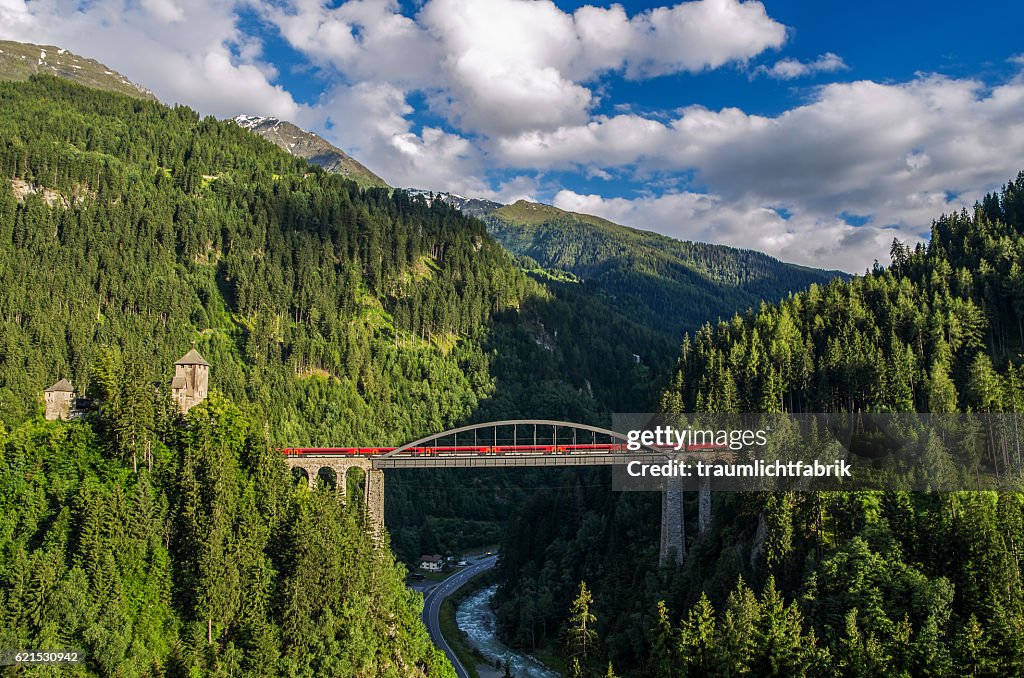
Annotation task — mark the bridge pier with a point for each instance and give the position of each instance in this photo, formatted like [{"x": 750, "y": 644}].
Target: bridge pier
[
  {"x": 673, "y": 521},
  {"x": 704, "y": 505},
  {"x": 375, "y": 502},
  {"x": 673, "y": 527}
]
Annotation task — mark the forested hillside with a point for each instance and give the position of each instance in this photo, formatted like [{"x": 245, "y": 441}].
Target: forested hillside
[
  {"x": 339, "y": 315},
  {"x": 665, "y": 284},
  {"x": 129, "y": 223},
  {"x": 940, "y": 330},
  {"x": 839, "y": 583},
  {"x": 208, "y": 561}
]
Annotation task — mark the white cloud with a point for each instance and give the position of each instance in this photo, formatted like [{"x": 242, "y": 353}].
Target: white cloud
[
  {"x": 370, "y": 120},
  {"x": 790, "y": 69},
  {"x": 693, "y": 36},
  {"x": 365, "y": 40},
  {"x": 893, "y": 152},
  {"x": 14, "y": 17},
  {"x": 182, "y": 49},
  {"x": 164, "y": 10},
  {"x": 505, "y": 63},
  {"x": 498, "y": 67}
]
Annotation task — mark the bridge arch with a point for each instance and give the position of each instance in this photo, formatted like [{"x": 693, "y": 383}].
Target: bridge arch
[{"x": 514, "y": 423}]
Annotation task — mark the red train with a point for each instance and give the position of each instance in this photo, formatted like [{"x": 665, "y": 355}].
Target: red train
[
  {"x": 453, "y": 450},
  {"x": 445, "y": 450}
]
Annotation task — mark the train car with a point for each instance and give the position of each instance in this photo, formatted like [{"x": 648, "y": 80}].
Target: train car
[{"x": 488, "y": 450}]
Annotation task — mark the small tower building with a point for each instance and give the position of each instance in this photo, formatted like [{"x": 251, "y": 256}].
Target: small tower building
[
  {"x": 191, "y": 380},
  {"x": 60, "y": 398}
]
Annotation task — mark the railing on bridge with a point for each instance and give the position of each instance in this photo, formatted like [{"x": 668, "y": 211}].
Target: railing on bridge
[{"x": 513, "y": 442}]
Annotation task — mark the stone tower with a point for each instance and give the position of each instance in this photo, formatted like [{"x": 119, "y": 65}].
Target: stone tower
[
  {"x": 59, "y": 400},
  {"x": 191, "y": 380}
]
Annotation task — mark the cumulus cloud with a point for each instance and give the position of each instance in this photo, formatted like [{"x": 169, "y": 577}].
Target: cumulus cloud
[
  {"x": 15, "y": 17},
  {"x": 164, "y": 10},
  {"x": 181, "y": 49},
  {"x": 505, "y": 62},
  {"x": 790, "y": 69},
  {"x": 895, "y": 152},
  {"x": 365, "y": 40},
  {"x": 370, "y": 120},
  {"x": 497, "y": 67},
  {"x": 693, "y": 36}
]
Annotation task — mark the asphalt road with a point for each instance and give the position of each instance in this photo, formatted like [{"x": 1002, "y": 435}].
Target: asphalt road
[{"x": 435, "y": 596}]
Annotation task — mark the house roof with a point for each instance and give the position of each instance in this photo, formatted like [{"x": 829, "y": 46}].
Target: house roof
[
  {"x": 430, "y": 559},
  {"x": 63, "y": 385},
  {"x": 178, "y": 382},
  {"x": 192, "y": 358}
]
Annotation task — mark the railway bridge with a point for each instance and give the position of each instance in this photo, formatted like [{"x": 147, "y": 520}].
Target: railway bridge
[{"x": 504, "y": 444}]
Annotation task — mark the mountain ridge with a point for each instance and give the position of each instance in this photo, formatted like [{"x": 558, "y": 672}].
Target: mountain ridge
[
  {"x": 21, "y": 60},
  {"x": 309, "y": 146},
  {"x": 649, "y": 277}
]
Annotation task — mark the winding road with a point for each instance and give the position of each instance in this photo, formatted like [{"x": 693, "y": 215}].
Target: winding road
[{"x": 432, "y": 606}]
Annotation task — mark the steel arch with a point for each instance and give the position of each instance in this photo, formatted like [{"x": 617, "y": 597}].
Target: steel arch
[{"x": 517, "y": 422}]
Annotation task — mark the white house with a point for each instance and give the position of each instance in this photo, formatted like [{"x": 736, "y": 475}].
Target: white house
[{"x": 432, "y": 563}]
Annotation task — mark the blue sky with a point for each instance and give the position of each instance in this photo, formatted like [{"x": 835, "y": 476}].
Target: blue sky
[{"x": 816, "y": 132}]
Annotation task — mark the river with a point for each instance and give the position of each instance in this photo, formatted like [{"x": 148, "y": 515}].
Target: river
[{"x": 475, "y": 617}]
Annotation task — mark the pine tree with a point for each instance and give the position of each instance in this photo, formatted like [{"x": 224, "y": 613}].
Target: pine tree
[
  {"x": 861, "y": 655},
  {"x": 738, "y": 632},
  {"x": 580, "y": 634},
  {"x": 971, "y": 651},
  {"x": 697, "y": 639},
  {"x": 782, "y": 649},
  {"x": 663, "y": 659}
]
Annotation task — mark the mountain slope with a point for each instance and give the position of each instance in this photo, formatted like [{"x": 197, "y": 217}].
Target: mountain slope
[
  {"x": 200, "y": 561},
  {"x": 305, "y": 293},
  {"x": 665, "y": 283},
  {"x": 311, "y": 147},
  {"x": 325, "y": 311},
  {"x": 20, "y": 60}
]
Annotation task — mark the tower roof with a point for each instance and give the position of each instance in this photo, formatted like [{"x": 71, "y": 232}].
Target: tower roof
[
  {"x": 63, "y": 386},
  {"x": 192, "y": 358}
]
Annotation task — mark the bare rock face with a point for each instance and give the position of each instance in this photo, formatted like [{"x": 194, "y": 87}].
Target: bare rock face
[
  {"x": 309, "y": 146},
  {"x": 474, "y": 207}
]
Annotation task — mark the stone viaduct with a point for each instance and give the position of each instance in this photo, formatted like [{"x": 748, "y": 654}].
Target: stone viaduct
[{"x": 503, "y": 444}]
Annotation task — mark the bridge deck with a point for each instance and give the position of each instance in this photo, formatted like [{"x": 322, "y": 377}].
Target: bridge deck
[
  {"x": 506, "y": 460},
  {"x": 516, "y": 460}
]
